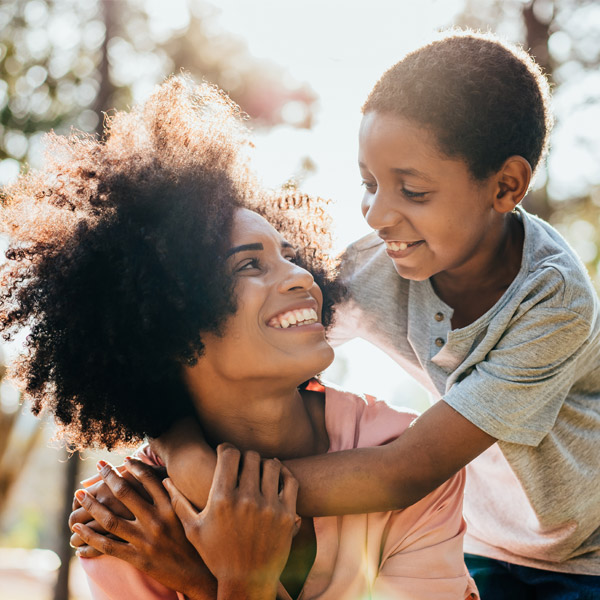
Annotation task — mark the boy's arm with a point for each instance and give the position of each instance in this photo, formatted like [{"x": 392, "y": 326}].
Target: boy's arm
[{"x": 436, "y": 445}]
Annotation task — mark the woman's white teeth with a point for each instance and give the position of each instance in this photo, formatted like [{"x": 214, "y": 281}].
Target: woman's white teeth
[{"x": 294, "y": 318}]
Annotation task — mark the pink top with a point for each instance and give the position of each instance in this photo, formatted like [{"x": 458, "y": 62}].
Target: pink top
[{"x": 416, "y": 553}]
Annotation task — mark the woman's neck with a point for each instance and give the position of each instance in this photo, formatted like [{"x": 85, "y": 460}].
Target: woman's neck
[{"x": 276, "y": 422}]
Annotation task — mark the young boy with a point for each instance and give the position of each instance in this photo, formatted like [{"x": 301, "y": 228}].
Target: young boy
[{"x": 484, "y": 304}]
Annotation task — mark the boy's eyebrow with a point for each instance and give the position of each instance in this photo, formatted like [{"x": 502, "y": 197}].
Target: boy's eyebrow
[
  {"x": 257, "y": 246},
  {"x": 399, "y": 171},
  {"x": 413, "y": 172}
]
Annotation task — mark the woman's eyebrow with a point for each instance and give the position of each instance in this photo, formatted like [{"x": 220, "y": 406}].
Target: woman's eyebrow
[
  {"x": 243, "y": 248},
  {"x": 256, "y": 246}
]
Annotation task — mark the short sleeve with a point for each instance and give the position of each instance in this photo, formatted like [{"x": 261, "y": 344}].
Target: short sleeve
[{"x": 515, "y": 394}]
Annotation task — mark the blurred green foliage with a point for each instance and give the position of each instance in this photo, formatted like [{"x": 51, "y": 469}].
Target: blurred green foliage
[{"x": 64, "y": 62}]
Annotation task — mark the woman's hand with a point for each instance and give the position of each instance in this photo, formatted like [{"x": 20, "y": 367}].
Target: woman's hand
[
  {"x": 245, "y": 532},
  {"x": 153, "y": 539}
]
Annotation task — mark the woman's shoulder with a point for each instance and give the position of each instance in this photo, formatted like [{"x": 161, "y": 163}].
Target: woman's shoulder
[{"x": 355, "y": 420}]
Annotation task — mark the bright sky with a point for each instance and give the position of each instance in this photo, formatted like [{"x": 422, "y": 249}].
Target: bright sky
[{"x": 340, "y": 48}]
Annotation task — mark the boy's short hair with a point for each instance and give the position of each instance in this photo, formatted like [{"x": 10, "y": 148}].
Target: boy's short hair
[{"x": 483, "y": 99}]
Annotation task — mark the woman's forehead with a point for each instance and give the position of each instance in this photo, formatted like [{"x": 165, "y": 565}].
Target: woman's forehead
[{"x": 247, "y": 225}]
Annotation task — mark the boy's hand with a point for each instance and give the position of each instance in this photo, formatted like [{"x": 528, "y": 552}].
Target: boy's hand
[
  {"x": 190, "y": 461},
  {"x": 152, "y": 539},
  {"x": 103, "y": 494}
]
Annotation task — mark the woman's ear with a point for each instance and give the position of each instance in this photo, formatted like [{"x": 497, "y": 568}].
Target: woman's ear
[{"x": 512, "y": 183}]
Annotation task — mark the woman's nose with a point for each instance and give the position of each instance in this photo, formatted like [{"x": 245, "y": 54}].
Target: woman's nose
[
  {"x": 379, "y": 212},
  {"x": 296, "y": 278}
]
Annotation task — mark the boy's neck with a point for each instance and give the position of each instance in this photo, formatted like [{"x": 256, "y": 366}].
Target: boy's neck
[{"x": 471, "y": 293}]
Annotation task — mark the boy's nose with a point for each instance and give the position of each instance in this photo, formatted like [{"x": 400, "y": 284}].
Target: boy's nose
[{"x": 379, "y": 213}]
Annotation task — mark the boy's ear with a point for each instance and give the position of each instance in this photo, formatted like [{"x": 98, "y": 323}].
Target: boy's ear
[{"x": 512, "y": 183}]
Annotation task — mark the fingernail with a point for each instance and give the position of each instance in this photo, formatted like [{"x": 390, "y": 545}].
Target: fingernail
[
  {"x": 80, "y": 495},
  {"x": 76, "y": 527},
  {"x": 86, "y": 482},
  {"x": 101, "y": 464}
]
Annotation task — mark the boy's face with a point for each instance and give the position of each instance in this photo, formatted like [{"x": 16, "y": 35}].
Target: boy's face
[{"x": 432, "y": 215}]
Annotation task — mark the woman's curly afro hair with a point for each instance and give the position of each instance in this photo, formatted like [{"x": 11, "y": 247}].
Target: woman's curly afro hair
[
  {"x": 116, "y": 260},
  {"x": 484, "y": 100}
]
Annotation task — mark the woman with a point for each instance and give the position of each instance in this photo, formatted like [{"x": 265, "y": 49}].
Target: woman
[{"x": 145, "y": 271}]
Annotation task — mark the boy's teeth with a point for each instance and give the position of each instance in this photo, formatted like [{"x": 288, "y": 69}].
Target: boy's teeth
[{"x": 395, "y": 246}]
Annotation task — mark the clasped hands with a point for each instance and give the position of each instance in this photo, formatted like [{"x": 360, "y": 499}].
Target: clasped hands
[{"x": 239, "y": 542}]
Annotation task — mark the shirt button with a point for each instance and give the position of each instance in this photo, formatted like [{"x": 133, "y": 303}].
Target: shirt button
[
  {"x": 439, "y": 316},
  {"x": 439, "y": 342}
]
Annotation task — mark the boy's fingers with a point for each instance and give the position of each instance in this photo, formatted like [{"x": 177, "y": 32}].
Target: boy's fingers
[
  {"x": 103, "y": 515},
  {"x": 79, "y": 515},
  {"x": 88, "y": 552},
  {"x": 101, "y": 543},
  {"x": 96, "y": 478}
]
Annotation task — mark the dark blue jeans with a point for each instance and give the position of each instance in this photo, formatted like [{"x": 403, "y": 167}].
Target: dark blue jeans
[{"x": 498, "y": 580}]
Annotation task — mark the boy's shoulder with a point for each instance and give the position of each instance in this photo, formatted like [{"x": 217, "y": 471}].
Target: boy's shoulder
[{"x": 552, "y": 267}]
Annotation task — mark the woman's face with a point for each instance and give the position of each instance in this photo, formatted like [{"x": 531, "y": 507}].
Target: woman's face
[
  {"x": 431, "y": 213},
  {"x": 276, "y": 331}
]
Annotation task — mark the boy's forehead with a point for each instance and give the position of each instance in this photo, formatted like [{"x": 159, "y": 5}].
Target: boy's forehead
[{"x": 393, "y": 137}]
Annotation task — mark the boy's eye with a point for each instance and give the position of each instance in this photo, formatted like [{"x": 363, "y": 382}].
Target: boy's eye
[
  {"x": 413, "y": 195},
  {"x": 369, "y": 185}
]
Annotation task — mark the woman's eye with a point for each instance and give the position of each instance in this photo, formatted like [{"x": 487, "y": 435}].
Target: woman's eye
[
  {"x": 414, "y": 195},
  {"x": 247, "y": 265}
]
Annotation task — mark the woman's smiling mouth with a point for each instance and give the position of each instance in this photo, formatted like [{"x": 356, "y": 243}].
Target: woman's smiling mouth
[{"x": 294, "y": 318}]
